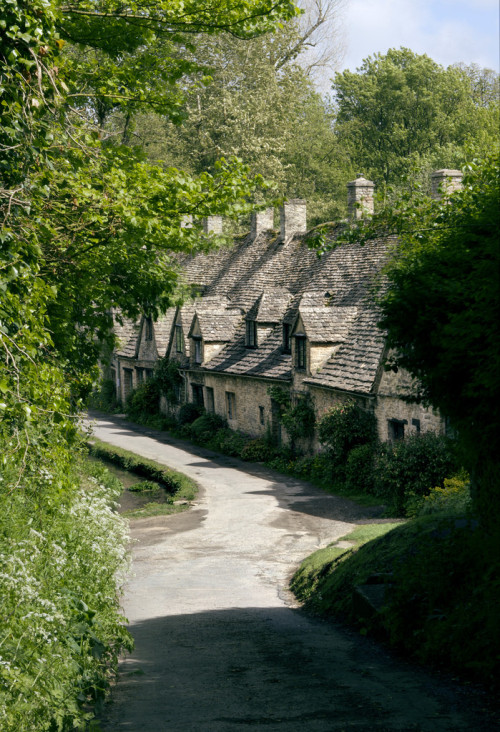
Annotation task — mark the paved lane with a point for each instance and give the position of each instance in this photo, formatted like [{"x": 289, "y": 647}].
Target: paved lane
[{"x": 220, "y": 643}]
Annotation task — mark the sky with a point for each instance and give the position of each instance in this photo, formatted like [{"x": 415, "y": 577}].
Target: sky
[{"x": 449, "y": 31}]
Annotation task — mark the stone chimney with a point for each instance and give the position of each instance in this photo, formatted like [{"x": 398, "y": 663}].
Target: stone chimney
[
  {"x": 212, "y": 225},
  {"x": 293, "y": 218},
  {"x": 360, "y": 198},
  {"x": 262, "y": 221},
  {"x": 445, "y": 182}
]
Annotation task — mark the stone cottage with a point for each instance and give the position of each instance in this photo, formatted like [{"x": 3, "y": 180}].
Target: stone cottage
[{"x": 272, "y": 313}]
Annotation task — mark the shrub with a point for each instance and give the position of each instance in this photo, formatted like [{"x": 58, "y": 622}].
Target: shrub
[
  {"x": 229, "y": 442},
  {"x": 453, "y": 498},
  {"x": 171, "y": 480},
  {"x": 359, "y": 472},
  {"x": 258, "y": 451},
  {"x": 412, "y": 467},
  {"x": 61, "y": 629},
  {"x": 143, "y": 401},
  {"x": 189, "y": 412},
  {"x": 344, "y": 427},
  {"x": 204, "y": 427},
  {"x": 169, "y": 379},
  {"x": 105, "y": 397},
  {"x": 322, "y": 468},
  {"x": 299, "y": 420},
  {"x": 303, "y": 466},
  {"x": 444, "y": 599}
]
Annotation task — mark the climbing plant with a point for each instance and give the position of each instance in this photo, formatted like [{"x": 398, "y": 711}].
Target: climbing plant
[
  {"x": 169, "y": 379},
  {"x": 345, "y": 426}
]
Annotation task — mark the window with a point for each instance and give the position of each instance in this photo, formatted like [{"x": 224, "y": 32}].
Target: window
[
  {"x": 396, "y": 429},
  {"x": 300, "y": 352},
  {"x": 416, "y": 424},
  {"x": 198, "y": 356},
  {"x": 286, "y": 338},
  {"x": 178, "y": 339},
  {"x": 149, "y": 329},
  {"x": 139, "y": 375},
  {"x": 197, "y": 394},
  {"x": 261, "y": 415},
  {"x": 251, "y": 336},
  {"x": 230, "y": 405},
  {"x": 210, "y": 399},
  {"x": 127, "y": 382}
]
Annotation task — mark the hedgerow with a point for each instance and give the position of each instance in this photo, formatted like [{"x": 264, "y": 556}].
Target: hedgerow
[
  {"x": 61, "y": 629},
  {"x": 171, "y": 480}
]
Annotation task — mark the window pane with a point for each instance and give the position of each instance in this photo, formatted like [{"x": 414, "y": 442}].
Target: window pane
[
  {"x": 300, "y": 355},
  {"x": 178, "y": 338}
]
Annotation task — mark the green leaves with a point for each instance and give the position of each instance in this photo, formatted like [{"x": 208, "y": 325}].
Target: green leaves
[{"x": 402, "y": 111}]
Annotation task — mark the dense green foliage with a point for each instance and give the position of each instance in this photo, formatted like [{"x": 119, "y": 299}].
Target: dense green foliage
[
  {"x": 344, "y": 427},
  {"x": 441, "y": 311},
  {"x": 411, "y": 467},
  {"x": 257, "y": 99},
  {"x": 440, "y": 599},
  {"x": 87, "y": 227},
  {"x": 61, "y": 553},
  {"x": 401, "y": 113}
]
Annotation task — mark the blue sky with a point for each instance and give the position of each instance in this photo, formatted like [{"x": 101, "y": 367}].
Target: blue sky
[{"x": 449, "y": 31}]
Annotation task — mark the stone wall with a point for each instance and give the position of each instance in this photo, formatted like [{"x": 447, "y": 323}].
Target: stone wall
[
  {"x": 391, "y": 406},
  {"x": 250, "y": 395}
]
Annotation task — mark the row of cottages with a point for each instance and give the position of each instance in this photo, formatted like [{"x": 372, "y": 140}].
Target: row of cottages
[{"x": 272, "y": 313}]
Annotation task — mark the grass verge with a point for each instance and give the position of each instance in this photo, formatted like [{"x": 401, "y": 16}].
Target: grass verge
[
  {"x": 177, "y": 484},
  {"x": 440, "y": 583}
]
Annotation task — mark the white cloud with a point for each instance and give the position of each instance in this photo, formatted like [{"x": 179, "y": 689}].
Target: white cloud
[{"x": 448, "y": 31}]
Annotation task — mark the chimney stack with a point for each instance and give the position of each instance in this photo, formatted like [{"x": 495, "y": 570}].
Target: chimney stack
[
  {"x": 262, "y": 221},
  {"x": 360, "y": 198},
  {"x": 445, "y": 182},
  {"x": 212, "y": 225},
  {"x": 293, "y": 218}
]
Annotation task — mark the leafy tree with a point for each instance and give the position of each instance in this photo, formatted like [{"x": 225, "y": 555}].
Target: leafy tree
[
  {"x": 86, "y": 225},
  {"x": 402, "y": 111},
  {"x": 259, "y": 103},
  {"x": 441, "y": 312}
]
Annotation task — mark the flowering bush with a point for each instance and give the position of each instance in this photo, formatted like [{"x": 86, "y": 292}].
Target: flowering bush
[
  {"x": 453, "y": 497},
  {"x": 61, "y": 629}
]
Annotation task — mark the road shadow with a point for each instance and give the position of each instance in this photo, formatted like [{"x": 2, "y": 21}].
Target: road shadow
[{"x": 277, "y": 668}]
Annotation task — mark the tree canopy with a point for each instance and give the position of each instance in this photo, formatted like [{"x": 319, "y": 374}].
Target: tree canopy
[
  {"x": 441, "y": 311},
  {"x": 401, "y": 112}
]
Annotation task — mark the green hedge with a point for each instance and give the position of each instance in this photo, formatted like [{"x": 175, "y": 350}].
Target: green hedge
[
  {"x": 412, "y": 467},
  {"x": 171, "y": 480}
]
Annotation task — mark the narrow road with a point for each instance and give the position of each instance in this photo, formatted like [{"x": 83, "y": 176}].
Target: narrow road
[{"x": 220, "y": 642}]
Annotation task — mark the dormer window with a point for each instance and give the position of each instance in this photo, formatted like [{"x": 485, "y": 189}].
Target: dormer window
[
  {"x": 198, "y": 354},
  {"x": 300, "y": 353},
  {"x": 149, "y": 329},
  {"x": 178, "y": 339},
  {"x": 286, "y": 338},
  {"x": 251, "y": 334}
]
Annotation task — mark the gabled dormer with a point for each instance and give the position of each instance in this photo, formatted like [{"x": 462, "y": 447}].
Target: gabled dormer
[
  {"x": 299, "y": 346},
  {"x": 179, "y": 348},
  {"x": 214, "y": 324},
  {"x": 265, "y": 314},
  {"x": 147, "y": 345},
  {"x": 196, "y": 342},
  {"x": 319, "y": 330}
]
